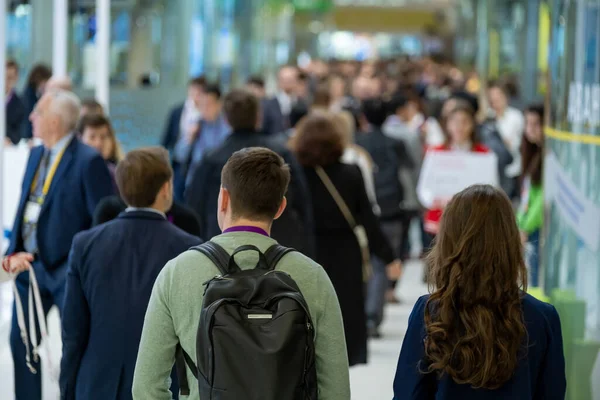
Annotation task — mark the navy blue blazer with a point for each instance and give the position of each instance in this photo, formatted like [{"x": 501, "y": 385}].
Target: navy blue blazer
[
  {"x": 272, "y": 119},
  {"x": 112, "y": 269},
  {"x": 172, "y": 128},
  {"x": 80, "y": 182},
  {"x": 540, "y": 375}
]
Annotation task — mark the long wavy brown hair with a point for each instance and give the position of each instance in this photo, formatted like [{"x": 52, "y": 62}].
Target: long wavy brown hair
[{"x": 474, "y": 322}]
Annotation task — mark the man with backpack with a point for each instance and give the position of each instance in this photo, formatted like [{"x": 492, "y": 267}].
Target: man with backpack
[{"x": 241, "y": 316}]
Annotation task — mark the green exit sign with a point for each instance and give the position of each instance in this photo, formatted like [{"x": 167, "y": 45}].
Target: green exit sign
[{"x": 313, "y": 5}]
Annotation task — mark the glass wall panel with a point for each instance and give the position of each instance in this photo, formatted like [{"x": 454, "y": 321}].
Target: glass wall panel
[{"x": 571, "y": 244}]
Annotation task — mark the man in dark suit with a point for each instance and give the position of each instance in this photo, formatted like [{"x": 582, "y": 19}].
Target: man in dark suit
[
  {"x": 181, "y": 129},
  {"x": 112, "y": 269},
  {"x": 64, "y": 181},
  {"x": 295, "y": 227},
  {"x": 15, "y": 110},
  {"x": 271, "y": 121}
]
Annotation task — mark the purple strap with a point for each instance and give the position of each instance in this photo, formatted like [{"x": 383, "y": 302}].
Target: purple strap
[{"x": 253, "y": 229}]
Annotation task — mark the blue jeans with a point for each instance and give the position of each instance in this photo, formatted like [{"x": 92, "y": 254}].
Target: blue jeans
[{"x": 533, "y": 258}]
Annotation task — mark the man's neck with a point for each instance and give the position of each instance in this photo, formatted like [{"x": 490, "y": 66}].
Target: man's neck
[
  {"x": 265, "y": 226},
  {"x": 215, "y": 119},
  {"x": 51, "y": 141}
]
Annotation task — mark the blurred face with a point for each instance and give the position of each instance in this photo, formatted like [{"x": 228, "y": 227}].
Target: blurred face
[
  {"x": 460, "y": 127},
  {"x": 361, "y": 89},
  {"x": 448, "y": 107},
  {"x": 498, "y": 100},
  {"x": 44, "y": 122},
  {"x": 288, "y": 80},
  {"x": 98, "y": 138},
  {"x": 211, "y": 107},
  {"x": 337, "y": 87},
  {"x": 533, "y": 128},
  {"x": 12, "y": 76},
  {"x": 368, "y": 70},
  {"x": 195, "y": 94}
]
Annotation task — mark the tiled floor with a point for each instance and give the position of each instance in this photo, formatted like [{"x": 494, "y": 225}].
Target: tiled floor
[{"x": 369, "y": 382}]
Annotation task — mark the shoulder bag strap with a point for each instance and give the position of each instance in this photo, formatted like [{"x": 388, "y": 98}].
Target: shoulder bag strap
[
  {"x": 336, "y": 196},
  {"x": 181, "y": 359},
  {"x": 275, "y": 253},
  {"x": 217, "y": 255}
]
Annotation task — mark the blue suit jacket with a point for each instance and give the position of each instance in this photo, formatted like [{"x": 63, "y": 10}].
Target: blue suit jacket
[
  {"x": 112, "y": 269},
  {"x": 172, "y": 130},
  {"x": 540, "y": 374},
  {"x": 80, "y": 182},
  {"x": 272, "y": 119}
]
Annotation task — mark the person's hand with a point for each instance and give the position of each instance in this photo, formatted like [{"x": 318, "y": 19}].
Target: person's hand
[
  {"x": 394, "y": 270},
  {"x": 19, "y": 262}
]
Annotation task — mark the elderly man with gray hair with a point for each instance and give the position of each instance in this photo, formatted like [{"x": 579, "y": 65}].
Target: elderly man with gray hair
[{"x": 64, "y": 181}]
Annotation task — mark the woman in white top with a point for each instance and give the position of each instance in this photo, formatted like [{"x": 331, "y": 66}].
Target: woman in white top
[{"x": 510, "y": 123}]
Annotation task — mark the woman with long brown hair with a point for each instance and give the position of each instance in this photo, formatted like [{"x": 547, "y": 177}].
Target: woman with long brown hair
[{"x": 479, "y": 335}]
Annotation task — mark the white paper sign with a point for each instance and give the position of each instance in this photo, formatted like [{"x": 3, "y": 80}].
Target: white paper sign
[
  {"x": 445, "y": 173},
  {"x": 580, "y": 213}
]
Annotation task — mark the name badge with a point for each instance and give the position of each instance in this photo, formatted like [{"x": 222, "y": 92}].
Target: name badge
[{"x": 32, "y": 212}]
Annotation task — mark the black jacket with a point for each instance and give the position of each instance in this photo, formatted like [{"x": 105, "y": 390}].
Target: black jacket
[
  {"x": 294, "y": 229},
  {"x": 15, "y": 116},
  {"x": 171, "y": 132},
  {"x": 390, "y": 157}
]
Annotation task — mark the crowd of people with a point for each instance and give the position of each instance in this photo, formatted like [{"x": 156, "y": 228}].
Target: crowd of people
[{"x": 330, "y": 165}]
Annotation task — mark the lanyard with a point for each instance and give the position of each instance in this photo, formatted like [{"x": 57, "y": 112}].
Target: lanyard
[{"x": 50, "y": 174}]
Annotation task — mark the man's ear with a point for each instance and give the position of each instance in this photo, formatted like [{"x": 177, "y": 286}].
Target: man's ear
[
  {"x": 282, "y": 207},
  {"x": 224, "y": 199}
]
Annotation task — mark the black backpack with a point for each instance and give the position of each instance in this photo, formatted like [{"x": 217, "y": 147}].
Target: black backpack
[{"x": 255, "y": 338}]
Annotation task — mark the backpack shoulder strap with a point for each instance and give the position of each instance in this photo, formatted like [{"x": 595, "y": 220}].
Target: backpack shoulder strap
[
  {"x": 181, "y": 359},
  {"x": 216, "y": 254},
  {"x": 275, "y": 253}
]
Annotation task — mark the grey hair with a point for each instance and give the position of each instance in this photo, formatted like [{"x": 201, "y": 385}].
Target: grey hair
[{"x": 66, "y": 105}]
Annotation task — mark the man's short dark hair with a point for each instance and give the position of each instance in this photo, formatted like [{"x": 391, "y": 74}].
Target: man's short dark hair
[
  {"x": 141, "y": 175},
  {"x": 375, "y": 112},
  {"x": 198, "y": 81},
  {"x": 257, "y": 180},
  {"x": 241, "y": 109},
  {"x": 212, "y": 89},
  {"x": 256, "y": 81}
]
